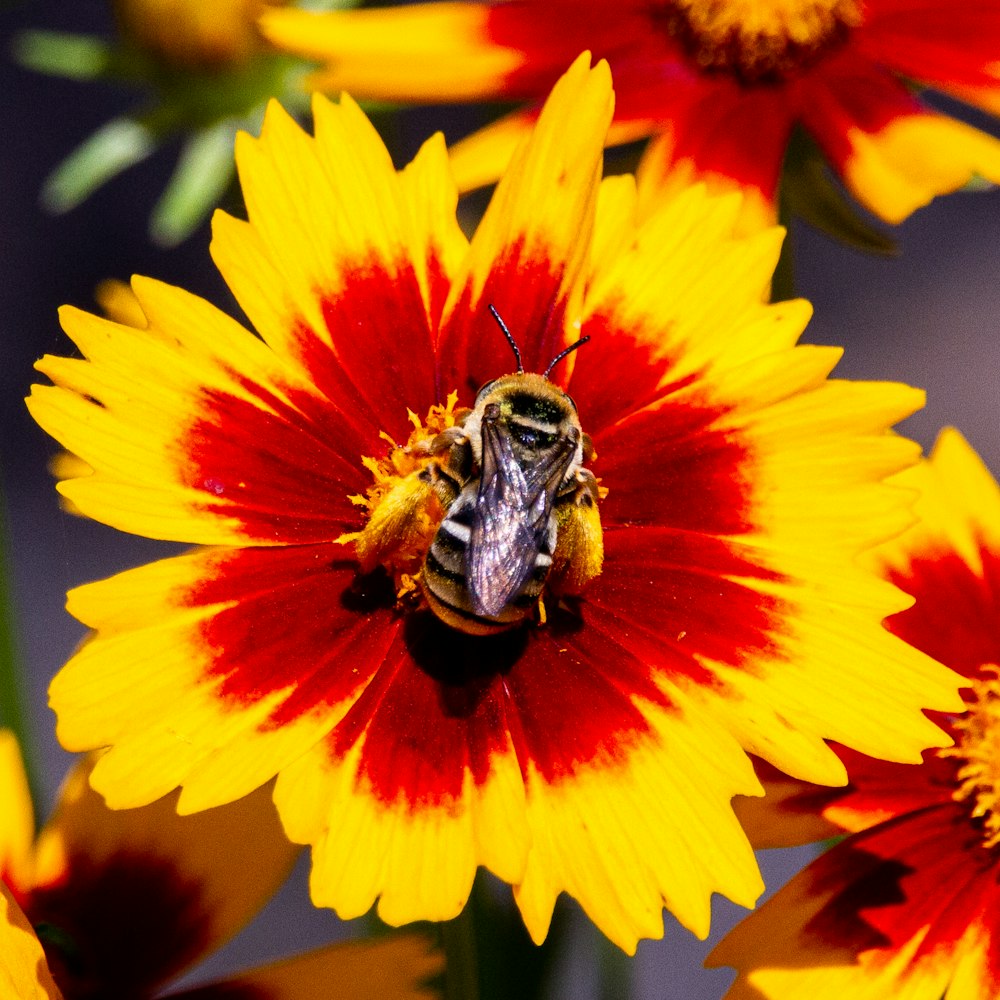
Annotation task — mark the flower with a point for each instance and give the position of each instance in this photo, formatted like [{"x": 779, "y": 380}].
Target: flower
[
  {"x": 116, "y": 904},
  {"x": 189, "y": 35},
  {"x": 908, "y": 903},
  {"x": 719, "y": 86},
  {"x": 595, "y": 752}
]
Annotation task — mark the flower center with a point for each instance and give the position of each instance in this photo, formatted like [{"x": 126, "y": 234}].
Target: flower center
[
  {"x": 759, "y": 40},
  {"x": 977, "y": 743}
]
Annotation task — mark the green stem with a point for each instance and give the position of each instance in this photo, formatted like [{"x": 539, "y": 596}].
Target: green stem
[
  {"x": 13, "y": 699},
  {"x": 461, "y": 975}
]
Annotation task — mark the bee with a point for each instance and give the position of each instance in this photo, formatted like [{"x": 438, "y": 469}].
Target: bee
[{"x": 519, "y": 503}]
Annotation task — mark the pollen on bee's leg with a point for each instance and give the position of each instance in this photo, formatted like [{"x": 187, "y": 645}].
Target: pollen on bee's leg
[
  {"x": 579, "y": 554},
  {"x": 403, "y": 509},
  {"x": 398, "y": 527}
]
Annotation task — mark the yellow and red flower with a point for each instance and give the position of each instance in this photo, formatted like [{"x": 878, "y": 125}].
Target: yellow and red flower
[
  {"x": 719, "y": 85},
  {"x": 594, "y": 751},
  {"x": 117, "y": 903},
  {"x": 909, "y": 904}
]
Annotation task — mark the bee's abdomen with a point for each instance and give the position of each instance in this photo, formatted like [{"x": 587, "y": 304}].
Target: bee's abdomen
[{"x": 445, "y": 582}]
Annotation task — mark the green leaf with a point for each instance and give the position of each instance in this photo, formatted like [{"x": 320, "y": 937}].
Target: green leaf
[
  {"x": 13, "y": 697},
  {"x": 114, "y": 147},
  {"x": 78, "y": 57},
  {"x": 203, "y": 173},
  {"x": 976, "y": 184},
  {"x": 809, "y": 191}
]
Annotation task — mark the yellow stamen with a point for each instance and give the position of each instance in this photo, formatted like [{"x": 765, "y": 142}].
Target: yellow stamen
[
  {"x": 977, "y": 742},
  {"x": 542, "y": 614},
  {"x": 759, "y": 39},
  {"x": 403, "y": 511}
]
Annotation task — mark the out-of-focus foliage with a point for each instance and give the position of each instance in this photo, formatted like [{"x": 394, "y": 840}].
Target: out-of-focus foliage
[{"x": 200, "y": 71}]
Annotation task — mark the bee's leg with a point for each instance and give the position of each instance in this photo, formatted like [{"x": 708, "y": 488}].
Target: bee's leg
[
  {"x": 443, "y": 480},
  {"x": 397, "y": 524},
  {"x": 579, "y": 553},
  {"x": 451, "y": 471},
  {"x": 580, "y": 489},
  {"x": 585, "y": 489},
  {"x": 440, "y": 443}
]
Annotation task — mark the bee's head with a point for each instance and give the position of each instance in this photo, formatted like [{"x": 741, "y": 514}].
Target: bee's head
[
  {"x": 519, "y": 384},
  {"x": 534, "y": 414}
]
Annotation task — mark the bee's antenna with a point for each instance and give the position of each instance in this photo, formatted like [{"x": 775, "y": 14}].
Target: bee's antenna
[
  {"x": 563, "y": 353},
  {"x": 510, "y": 339}
]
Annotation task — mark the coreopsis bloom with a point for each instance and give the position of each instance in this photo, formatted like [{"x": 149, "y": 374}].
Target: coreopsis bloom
[
  {"x": 689, "y": 595},
  {"x": 907, "y": 905},
  {"x": 202, "y": 72},
  {"x": 720, "y": 86},
  {"x": 116, "y": 904},
  {"x": 191, "y": 35}
]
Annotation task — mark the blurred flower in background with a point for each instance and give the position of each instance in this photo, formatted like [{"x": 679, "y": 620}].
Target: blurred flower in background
[
  {"x": 594, "y": 751},
  {"x": 119, "y": 903},
  {"x": 198, "y": 37},
  {"x": 727, "y": 90},
  {"x": 204, "y": 71},
  {"x": 909, "y": 904}
]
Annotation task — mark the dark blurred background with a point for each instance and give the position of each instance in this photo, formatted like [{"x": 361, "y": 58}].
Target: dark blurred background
[{"x": 928, "y": 317}]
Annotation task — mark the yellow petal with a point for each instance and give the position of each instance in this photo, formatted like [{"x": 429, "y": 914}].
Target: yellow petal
[
  {"x": 316, "y": 216},
  {"x": 394, "y": 968},
  {"x": 200, "y": 367},
  {"x": 693, "y": 239},
  {"x": 119, "y": 303},
  {"x": 17, "y": 830},
  {"x": 144, "y": 685},
  {"x": 914, "y": 158},
  {"x": 24, "y": 973},
  {"x": 530, "y": 249},
  {"x": 419, "y": 52},
  {"x": 957, "y": 507},
  {"x": 418, "y": 864},
  {"x": 628, "y": 840}
]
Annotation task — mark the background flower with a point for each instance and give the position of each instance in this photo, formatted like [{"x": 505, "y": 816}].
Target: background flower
[
  {"x": 720, "y": 86},
  {"x": 122, "y": 902},
  {"x": 908, "y": 904}
]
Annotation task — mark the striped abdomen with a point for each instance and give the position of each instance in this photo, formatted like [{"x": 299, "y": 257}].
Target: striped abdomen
[{"x": 446, "y": 580}]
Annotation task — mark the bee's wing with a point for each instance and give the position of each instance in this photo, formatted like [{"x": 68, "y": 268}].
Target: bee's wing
[{"x": 510, "y": 518}]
